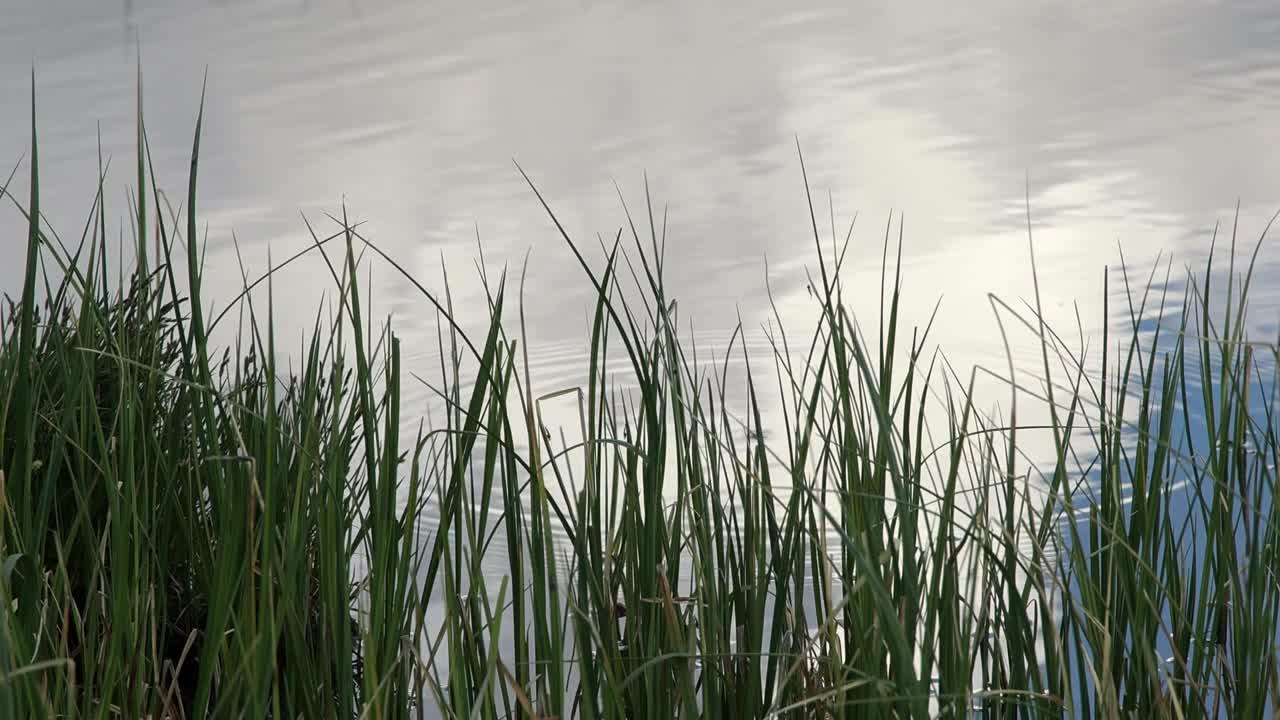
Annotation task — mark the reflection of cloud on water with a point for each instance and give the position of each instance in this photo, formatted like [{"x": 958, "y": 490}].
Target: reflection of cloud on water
[{"x": 1120, "y": 115}]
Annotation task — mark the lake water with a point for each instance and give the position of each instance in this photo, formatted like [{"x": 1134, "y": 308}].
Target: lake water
[
  {"x": 1140, "y": 125},
  {"x": 1137, "y": 127}
]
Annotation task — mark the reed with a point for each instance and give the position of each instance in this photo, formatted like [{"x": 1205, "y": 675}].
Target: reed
[{"x": 189, "y": 530}]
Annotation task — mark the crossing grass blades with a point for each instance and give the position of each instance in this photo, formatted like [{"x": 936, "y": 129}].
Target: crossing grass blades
[{"x": 189, "y": 530}]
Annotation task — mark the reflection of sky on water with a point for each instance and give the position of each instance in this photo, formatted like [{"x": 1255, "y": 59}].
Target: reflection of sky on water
[
  {"x": 1191, "y": 454},
  {"x": 1138, "y": 125}
]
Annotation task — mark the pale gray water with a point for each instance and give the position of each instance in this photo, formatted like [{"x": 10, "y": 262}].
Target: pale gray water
[{"x": 1140, "y": 124}]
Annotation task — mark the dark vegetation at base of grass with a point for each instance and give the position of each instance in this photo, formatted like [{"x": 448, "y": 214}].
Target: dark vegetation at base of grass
[{"x": 188, "y": 532}]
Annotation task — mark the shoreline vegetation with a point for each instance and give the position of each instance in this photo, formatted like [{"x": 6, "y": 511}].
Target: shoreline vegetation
[{"x": 192, "y": 531}]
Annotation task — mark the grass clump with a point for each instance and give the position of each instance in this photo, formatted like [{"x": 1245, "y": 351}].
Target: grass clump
[
  {"x": 191, "y": 531},
  {"x": 181, "y": 526}
]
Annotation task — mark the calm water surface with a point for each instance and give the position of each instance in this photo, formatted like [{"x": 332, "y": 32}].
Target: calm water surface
[{"x": 1140, "y": 125}]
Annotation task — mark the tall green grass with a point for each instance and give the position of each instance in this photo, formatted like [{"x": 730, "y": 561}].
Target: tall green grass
[{"x": 191, "y": 530}]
